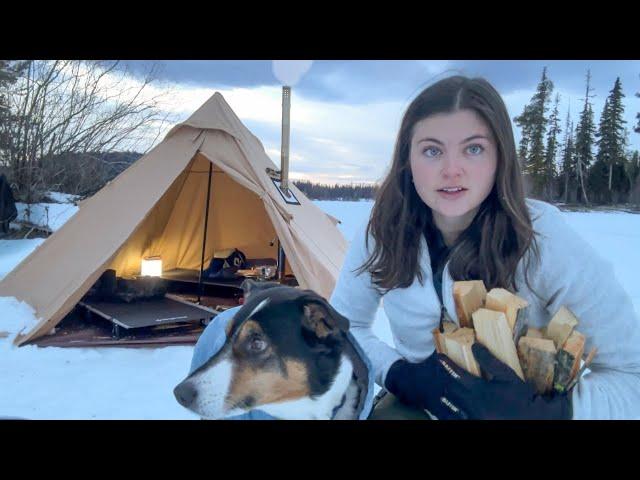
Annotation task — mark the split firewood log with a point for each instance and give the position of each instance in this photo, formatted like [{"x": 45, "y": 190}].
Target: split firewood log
[
  {"x": 468, "y": 296},
  {"x": 458, "y": 348},
  {"x": 493, "y": 331},
  {"x": 538, "y": 357}
]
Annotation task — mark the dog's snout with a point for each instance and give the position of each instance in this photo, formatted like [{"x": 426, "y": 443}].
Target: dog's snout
[{"x": 185, "y": 394}]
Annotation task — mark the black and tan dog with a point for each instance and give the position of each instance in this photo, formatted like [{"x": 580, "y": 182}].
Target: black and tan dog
[{"x": 285, "y": 353}]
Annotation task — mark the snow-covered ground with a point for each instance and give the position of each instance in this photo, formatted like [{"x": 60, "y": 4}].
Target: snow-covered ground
[
  {"x": 119, "y": 383},
  {"x": 12, "y": 252},
  {"x": 51, "y": 215}
]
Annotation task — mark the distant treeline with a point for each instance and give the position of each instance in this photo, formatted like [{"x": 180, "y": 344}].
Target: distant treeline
[{"x": 317, "y": 191}]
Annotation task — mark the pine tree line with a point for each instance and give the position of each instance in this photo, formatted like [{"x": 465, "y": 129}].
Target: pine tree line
[
  {"x": 569, "y": 171},
  {"x": 317, "y": 191}
]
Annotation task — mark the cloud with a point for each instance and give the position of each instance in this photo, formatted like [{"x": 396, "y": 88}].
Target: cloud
[
  {"x": 350, "y": 136},
  {"x": 329, "y": 141}
]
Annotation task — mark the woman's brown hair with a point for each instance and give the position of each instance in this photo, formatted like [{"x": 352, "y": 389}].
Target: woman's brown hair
[{"x": 501, "y": 231}]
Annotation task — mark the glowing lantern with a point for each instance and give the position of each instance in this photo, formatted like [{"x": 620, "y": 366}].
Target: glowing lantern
[{"x": 151, "y": 266}]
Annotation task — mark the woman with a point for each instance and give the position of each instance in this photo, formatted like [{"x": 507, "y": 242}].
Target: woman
[{"x": 453, "y": 208}]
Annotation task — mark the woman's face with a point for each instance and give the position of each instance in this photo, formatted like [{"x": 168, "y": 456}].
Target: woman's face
[{"x": 452, "y": 151}]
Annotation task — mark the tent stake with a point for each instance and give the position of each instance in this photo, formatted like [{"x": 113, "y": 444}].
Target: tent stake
[{"x": 204, "y": 237}]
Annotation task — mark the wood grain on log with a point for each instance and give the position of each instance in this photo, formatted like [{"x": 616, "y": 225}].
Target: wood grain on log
[
  {"x": 561, "y": 326},
  {"x": 537, "y": 358},
  {"x": 469, "y": 296},
  {"x": 493, "y": 331},
  {"x": 502, "y": 300},
  {"x": 458, "y": 346}
]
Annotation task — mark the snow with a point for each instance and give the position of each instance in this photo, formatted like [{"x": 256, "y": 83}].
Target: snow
[
  {"x": 59, "y": 197},
  {"x": 91, "y": 383},
  {"x": 616, "y": 237},
  {"x": 16, "y": 316},
  {"x": 352, "y": 216},
  {"x": 52, "y": 215},
  {"x": 121, "y": 383},
  {"x": 12, "y": 252}
]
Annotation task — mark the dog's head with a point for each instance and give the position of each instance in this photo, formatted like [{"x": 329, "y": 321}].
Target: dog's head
[{"x": 283, "y": 345}]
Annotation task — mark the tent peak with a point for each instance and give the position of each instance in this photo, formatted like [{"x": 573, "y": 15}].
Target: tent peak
[{"x": 214, "y": 114}]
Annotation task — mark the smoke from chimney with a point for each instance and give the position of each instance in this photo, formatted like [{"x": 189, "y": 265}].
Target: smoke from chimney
[{"x": 288, "y": 72}]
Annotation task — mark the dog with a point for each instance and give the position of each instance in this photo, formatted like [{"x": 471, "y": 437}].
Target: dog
[{"x": 285, "y": 353}]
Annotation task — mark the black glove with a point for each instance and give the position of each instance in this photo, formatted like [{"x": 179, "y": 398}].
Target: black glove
[
  {"x": 503, "y": 395},
  {"x": 424, "y": 385},
  {"x": 447, "y": 391}
]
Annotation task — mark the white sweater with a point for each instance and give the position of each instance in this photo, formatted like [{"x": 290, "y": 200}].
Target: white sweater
[{"x": 570, "y": 273}]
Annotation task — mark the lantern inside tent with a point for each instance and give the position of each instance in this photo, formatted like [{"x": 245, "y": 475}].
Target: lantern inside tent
[{"x": 151, "y": 266}]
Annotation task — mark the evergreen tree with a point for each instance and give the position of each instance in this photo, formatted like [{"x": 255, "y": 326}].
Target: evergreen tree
[
  {"x": 585, "y": 132},
  {"x": 597, "y": 177},
  {"x": 637, "y": 129},
  {"x": 524, "y": 122},
  {"x": 568, "y": 162},
  {"x": 534, "y": 125},
  {"x": 633, "y": 175},
  {"x": 551, "y": 151},
  {"x": 611, "y": 148}
]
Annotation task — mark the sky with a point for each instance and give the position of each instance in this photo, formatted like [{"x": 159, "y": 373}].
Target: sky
[{"x": 345, "y": 114}]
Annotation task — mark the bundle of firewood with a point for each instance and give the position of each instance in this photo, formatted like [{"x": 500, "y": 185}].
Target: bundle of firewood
[{"x": 549, "y": 358}]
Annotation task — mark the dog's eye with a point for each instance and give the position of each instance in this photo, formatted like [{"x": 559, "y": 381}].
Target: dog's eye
[{"x": 257, "y": 345}]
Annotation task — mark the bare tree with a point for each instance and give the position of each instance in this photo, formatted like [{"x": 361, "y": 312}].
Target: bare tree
[
  {"x": 9, "y": 72},
  {"x": 64, "y": 108}
]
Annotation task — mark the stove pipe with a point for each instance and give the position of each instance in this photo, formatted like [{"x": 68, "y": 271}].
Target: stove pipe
[{"x": 284, "y": 151}]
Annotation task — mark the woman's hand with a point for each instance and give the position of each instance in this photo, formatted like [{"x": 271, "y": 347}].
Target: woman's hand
[
  {"x": 449, "y": 392},
  {"x": 502, "y": 395},
  {"x": 424, "y": 385}
]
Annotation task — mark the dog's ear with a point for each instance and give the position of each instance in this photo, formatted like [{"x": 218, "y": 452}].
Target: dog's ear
[
  {"x": 249, "y": 287},
  {"x": 322, "y": 319}
]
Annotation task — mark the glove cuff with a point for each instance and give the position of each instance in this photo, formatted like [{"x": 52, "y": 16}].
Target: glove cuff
[
  {"x": 555, "y": 407},
  {"x": 396, "y": 376},
  {"x": 402, "y": 381}
]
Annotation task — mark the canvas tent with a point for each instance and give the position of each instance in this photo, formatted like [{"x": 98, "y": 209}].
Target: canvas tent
[{"x": 157, "y": 207}]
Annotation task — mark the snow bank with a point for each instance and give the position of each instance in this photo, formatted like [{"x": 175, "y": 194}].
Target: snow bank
[{"x": 16, "y": 316}]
